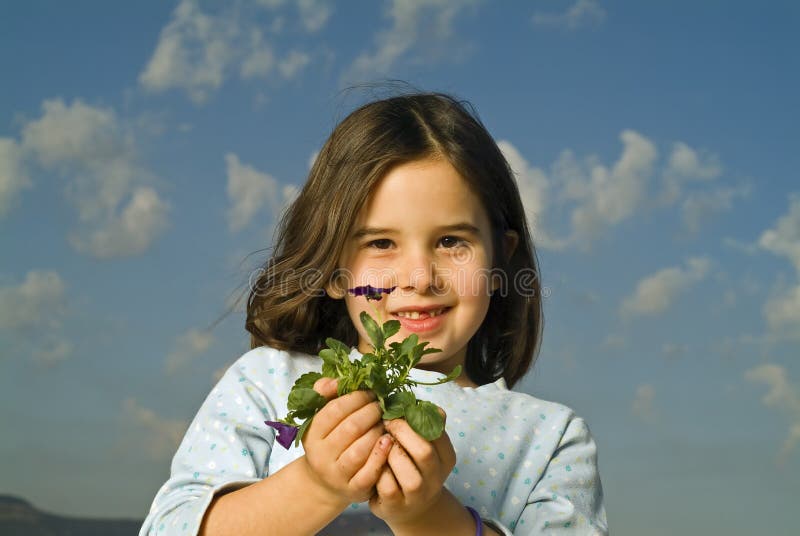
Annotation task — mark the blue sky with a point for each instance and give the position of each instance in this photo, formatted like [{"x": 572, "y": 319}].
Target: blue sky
[{"x": 146, "y": 149}]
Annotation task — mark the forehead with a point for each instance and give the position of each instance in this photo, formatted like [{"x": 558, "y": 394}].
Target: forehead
[{"x": 423, "y": 194}]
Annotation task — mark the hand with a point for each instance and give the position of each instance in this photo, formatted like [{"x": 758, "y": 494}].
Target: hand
[
  {"x": 345, "y": 445},
  {"x": 412, "y": 483}
]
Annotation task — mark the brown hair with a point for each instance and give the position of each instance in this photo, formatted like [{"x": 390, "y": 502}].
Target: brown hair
[{"x": 287, "y": 307}]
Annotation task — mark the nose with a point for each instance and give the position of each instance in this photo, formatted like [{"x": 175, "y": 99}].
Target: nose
[{"x": 418, "y": 272}]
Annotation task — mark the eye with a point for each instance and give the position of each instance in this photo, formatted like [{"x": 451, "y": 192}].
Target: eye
[
  {"x": 451, "y": 242},
  {"x": 381, "y": 243}
]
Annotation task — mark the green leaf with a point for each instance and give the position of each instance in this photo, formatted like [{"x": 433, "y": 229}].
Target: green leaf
[
  {"x": 419, "y": 351},
  {"x": 307, "y": 380},
  {"x": 390, "y": 327},
  {"x": 431, "y": 350},
  {"x": 304, "y": 399},
  {"x": 455, "y": 373},
  {"x": 329, "y": 371},
  {"x": 346, "y": 385},
  {"x": 338, "y": 346},
  {"x": 408, "y": 345},
  {"x": 377, "y": 381},
  {"x": 330, "y": 362},
  {"x": 302, "y": 430},
  {"x": 329, "y": 356},
  {"x": 396, "y": 404},
  {"x": 373, "y": 330},
  {"x": 370, "y": 358},
  {"x": 425, "y": 419}
]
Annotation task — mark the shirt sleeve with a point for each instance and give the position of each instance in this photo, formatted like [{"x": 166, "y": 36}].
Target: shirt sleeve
[
  {"x": 225, "y": 448},
  {"x": 568, "y": 498}
]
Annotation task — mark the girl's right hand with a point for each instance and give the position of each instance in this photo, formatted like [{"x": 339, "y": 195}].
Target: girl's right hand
[{"x": 346, "y": 445}]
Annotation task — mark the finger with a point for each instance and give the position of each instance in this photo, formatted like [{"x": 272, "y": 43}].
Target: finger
[
  {"x": 356, "y": 425},
  {"x": 369, "y": 473},
  {"x": 387, "y": 487},
  {"x": 327, "y": 387},
  {"x": 352, "y": 457},
  {"x": 405, "y": 471},
  {"x": 338, "y": 409},
  {"x": 421, "y": 450},
  {"x": 445, "y": 451}
]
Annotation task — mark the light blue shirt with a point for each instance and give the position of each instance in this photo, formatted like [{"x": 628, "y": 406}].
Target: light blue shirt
[{"x": 527, "y": 465}]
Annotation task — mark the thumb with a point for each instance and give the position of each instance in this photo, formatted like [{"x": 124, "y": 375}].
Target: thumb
[{"x": 327, "y": 387}]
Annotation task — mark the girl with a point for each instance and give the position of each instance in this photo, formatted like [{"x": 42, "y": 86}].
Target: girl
[{"x": 409, "y": 193}]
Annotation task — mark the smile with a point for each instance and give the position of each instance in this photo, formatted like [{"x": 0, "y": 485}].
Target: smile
[
  {"x": 421, "y": 323},
  {"x": 416, "y": 315}
]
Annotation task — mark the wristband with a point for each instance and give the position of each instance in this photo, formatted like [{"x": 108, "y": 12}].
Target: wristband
[{"x": 478, "y": 521}]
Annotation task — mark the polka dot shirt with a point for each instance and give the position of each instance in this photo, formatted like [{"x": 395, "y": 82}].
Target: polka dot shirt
[{"x": 528, "y": 466}]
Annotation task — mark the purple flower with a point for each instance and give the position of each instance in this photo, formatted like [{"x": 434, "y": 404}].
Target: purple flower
[
  {"x": 372, "y": 293},
  {"x": 286, "y": 433}
]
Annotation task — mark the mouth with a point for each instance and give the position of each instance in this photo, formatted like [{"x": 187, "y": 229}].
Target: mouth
[
  {"x": 422, "y": 322},
  {"x": 421, "y": 315}
]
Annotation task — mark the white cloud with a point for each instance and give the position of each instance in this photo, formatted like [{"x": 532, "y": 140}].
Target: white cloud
[
  {"x": 424, "y": 25},
  {"x": 312, "y": 159},
  {"x": 782, "y": 396},
  {"x": 36, "y": 302},
  {"x": 198, "y": 50},
  {"x": 744, "y": 247},
  {"x": 13, "y": 177},
  {"x": 293, "y": 63},
  {"x": 782, "y": 311},
  {"x": 685, "y": 165},
  {"x": 37, "y": 306},
  {"x": 249, "y": 190},
  {"x": 642, "y": 405},
  {"x": 784, "y": 238},
  {"x": 118, "y": 214},
  {"x": 187, "y": 346},
  {"x": 533, "y": 188},
  {"x": 610, "y": 196},
  {"x": 160, "y": 437},
  {"x": 581, "y": 13},
  {"x": 258, "y": 62},
  {"x": 571, "y": 175},
  {"x": 314, "y": 14},
  {"x": 599, "y": 196},
  {"x": 67, "y": 137},
  {"x": 655, "y": 293},
  {"x": 131, "y": 233},
  {"x": 193, "y": 52},
  {"x": 698, "y": 207}
]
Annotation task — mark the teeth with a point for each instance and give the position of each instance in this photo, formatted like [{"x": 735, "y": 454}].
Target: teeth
[{"x": 414, "y": 315}]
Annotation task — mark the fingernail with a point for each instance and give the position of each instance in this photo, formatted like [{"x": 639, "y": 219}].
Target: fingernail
[{"x": 385, "y": 441}]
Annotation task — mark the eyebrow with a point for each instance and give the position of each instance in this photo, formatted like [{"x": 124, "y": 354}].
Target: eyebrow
[{"x": 463, "y": 227}]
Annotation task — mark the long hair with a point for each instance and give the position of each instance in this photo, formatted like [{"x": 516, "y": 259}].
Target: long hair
[{"x": 287, "y": 307}]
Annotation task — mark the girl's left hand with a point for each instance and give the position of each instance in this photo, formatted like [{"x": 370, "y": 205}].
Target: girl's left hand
[{"x": 412, "y": 481}]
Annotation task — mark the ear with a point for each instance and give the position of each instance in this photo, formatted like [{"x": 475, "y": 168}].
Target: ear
[
  {"x": 332, "y": 288},
  {"x": 510, "y": 241},
  {"x": 509, "y": 245}
]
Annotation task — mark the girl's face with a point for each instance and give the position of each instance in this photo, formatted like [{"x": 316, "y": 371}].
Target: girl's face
[{"x": 424, "y": 232}]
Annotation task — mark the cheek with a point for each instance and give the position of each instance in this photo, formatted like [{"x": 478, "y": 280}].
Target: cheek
[
  {"x": 371, "y": 272},
  {"x": 473, "y": 281}
]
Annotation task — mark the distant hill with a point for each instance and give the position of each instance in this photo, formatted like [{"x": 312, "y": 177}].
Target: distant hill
[{"x": 18, "y": 517}]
